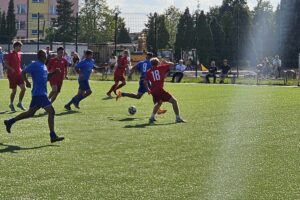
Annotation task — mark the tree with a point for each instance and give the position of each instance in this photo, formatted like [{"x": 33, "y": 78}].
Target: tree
[
  {"x": 203, "y": 38},
  {"x": 96, "y": 22},
  {"x": 123, "y": 35},
  {"x": 11, "y": 30},
  {"x": 157, "y": 34},
  {"x": 172, "y": 16},
  {"x": 3, "y": 31},
  {"x": 65, "y": 21},
  {"x": 185, "y": 34}
]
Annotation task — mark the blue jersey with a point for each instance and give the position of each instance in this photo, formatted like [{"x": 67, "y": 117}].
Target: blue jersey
[
  {"x": 143, "y": 67},
  {"x": 39, "y": 74},
  {"x": 86, "y": 66}
]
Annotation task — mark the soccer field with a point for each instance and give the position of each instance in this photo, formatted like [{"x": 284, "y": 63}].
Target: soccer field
[{"x": 240, "y": 142}]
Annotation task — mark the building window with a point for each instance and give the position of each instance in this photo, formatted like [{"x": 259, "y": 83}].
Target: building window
[
  {"x": 21, "y": 9},
  {"x": 37, "y": 1},
  {"x": 20, "y": 25},
  {"x": 35, "y": 32},
  {"x": 35, "y": 15},
  {"x": 52, "y": 10}
]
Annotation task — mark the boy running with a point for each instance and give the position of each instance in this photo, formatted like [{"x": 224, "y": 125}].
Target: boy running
[
  {"x": 119, "y": 74},
  {"x": 155, "y": 77},
  {"x": 84, "y": 69},
  {"x": 39, "y": 74},
  {"x": 56, "y": 81},
  {"x": 14, "y": 70}
]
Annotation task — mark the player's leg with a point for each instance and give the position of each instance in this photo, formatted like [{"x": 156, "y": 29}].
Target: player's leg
[
  {"x": 53, "y": 94},
  {"x": 207, "y": 78},
  {"x": 174, "y": 103},
  {"x": 123, "y": 83},
  {"x": 12, "y": 98},
  {"x": 141, "y": 91},
  {"x": 155, "y": 109},
  {"x": 180, "y": 76},
  {"x": 115, "y": 85},
  {"x": 21, "y": 96},
  {"x": 51, "y": 113},
  {"x": 24, "y": 115}
]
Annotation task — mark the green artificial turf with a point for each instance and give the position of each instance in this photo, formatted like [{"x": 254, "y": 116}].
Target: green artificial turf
[{"x": 240, "y": 142}]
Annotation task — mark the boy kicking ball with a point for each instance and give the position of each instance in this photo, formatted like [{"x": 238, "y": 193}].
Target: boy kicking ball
[{"x": 155, "y": 76}]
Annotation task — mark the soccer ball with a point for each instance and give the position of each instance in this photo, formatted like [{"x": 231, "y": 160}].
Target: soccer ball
[{"x": 132, "y": 110}]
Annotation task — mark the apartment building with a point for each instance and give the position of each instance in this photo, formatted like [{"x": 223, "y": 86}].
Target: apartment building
[{"x": 27, "y": 16}]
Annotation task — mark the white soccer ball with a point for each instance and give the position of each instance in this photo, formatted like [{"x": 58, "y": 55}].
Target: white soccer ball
[{"x": 132, "y": 110}]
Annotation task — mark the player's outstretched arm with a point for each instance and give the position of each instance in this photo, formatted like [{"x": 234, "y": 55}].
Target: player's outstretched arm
[{"x": 132, "y": 71}]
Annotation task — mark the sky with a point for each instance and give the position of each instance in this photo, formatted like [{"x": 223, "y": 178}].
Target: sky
[{"x": 135, "y": 11}]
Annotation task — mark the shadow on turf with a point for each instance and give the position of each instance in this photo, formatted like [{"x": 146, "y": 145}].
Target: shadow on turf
[
  {"x": 127, "y": 119},
  {"x": 147, "y": 124},
  {"x": 3, "y": 112},
  {"x": 67, "y": 112},
  {"x": 15, "y": 149},
  {"x": 108, "y": 98}
]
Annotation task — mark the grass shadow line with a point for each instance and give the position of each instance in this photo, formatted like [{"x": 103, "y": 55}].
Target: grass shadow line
[{"x": 14, "y": 148}]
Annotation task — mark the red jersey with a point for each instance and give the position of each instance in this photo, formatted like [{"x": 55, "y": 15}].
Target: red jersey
[
  {"x": 156, "y": 76},
  {"x": 121, "y": 66},
  {"x": 55, "y": 63},
  {"x": 14, "y": 61}
]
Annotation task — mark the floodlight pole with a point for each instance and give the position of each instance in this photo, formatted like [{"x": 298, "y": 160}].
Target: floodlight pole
[
  {"x": 116, "y": 31},
  {"x": 38, "y": 42}
]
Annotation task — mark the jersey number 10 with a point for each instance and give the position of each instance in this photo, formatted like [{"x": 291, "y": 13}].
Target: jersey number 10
[{"x": 155, "y": 75}]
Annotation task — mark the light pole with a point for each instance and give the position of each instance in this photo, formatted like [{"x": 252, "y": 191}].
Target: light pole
[
  {"x": 117, "y": 12},
  {"x": 155, "y": 34}
]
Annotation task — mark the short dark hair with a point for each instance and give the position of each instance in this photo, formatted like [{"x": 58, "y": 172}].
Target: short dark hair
[
  {"x": 60, "y": 49},
  {"x": 88, "y": 52},
  {"x": 40, "y": 52},
  {"x": 17, "y": 43}
]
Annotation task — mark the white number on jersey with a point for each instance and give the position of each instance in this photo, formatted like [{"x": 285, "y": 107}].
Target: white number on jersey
[
  {"x": 155, "y": 75},
  {"x": 145, "y": 67}
]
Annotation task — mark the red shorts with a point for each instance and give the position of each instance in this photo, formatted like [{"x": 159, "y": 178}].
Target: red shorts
[
  {"x": 15, "y": 80},
  {"x": 57, "y": 83},
  {"x": 161, "y": 96},
  {"x": 118, "y": 78}
]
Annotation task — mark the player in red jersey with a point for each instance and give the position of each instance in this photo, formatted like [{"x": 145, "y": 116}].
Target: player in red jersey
[
  {"x": 119, "y": 75},
  {"x": 155, "y": 77},
  {"x": 56, "y": 81},
  {"x": 13, "y": 65}
]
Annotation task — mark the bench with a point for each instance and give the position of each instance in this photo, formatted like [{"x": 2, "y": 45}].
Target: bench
[{"x": 232, "y": 76}]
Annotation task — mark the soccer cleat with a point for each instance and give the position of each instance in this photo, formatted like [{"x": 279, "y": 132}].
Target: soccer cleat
[
  {"x": 119, "y": 95},
  {"x": 19, "y": 105},
  {"x": 8, "y": 125},
  {"x": 161, "y": 111},
  {"x": 67, "y": 107},
  {"x": 180, "y": 120},
  {"x": 76, "y": 104},
  {"x": 12, "y": 108},
  {"x": 151, "y": 120},
  {"x": 109, "y": 95},
  {"x": 56, "y": 139}
]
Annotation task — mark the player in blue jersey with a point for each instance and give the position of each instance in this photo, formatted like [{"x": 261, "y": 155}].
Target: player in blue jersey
[
  {"x": 40, "y": 76},
  {"x": 142, "y": 67},
  {"x": 84, "y": 70}
]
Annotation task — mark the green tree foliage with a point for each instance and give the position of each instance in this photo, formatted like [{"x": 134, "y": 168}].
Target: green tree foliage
[
  {"x": 157, "y": 34},
  {"x": 185, "y": 33},
  {"x": 11, "y": 30},
  {"x": 65, "y": 21},
  {"x": 3, "y": 31},
  {"x": 172, "y": 16},
  {"x": 123, "y": 35},
  {"x": 96, "y": 22},
  {"x": 203, "y": 38}
]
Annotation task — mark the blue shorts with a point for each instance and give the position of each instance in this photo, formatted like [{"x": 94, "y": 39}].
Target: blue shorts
[
  {"x": 84, "y": 85},
  {"x": 40, "y": 102},
  {"x": 142, "y": 88}
]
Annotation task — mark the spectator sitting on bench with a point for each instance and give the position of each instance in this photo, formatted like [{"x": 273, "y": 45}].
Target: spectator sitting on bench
[
  {"x": 179, "y": 69},
  {"x": 225, "y": 69},
  {"x": 212, "y": 70}
]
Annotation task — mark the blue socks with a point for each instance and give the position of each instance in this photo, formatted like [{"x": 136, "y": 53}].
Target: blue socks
[{"x": 53, "y": 135}]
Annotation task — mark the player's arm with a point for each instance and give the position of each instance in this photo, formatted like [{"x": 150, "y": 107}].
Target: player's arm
[
  {"x": 131, "y": 71},
  {"x": 56, "y": 71},
  {"x": 24, "y": 77},
  {"x": 8, "y": 66}
]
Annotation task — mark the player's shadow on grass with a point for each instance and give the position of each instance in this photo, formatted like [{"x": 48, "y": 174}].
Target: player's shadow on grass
[
  {"x": 14, "y": 149},
  {"x": 68, "y": 112},
  {"x": 3, "y": 112},
  {"x": 108, "y": 98},
  {"x": 146, "y": 124},
  {"x": 127, "y": 119}
]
